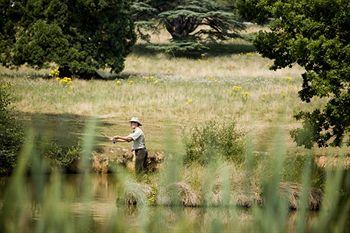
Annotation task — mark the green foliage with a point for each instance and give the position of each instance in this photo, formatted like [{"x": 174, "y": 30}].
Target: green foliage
[
  {"x": 11, "y": 134},
  {"x": 315, "y": 36},
  {"x": 213, "y": 140},
  {"x": 80, "y": 36},
  {"x": 294, "y": 166},
  {"x": 192, "y": 49},
  {"x": 62, "y": 156},
  {"x": 254, "y": 10},
  {"x": 184, "y": 19}
]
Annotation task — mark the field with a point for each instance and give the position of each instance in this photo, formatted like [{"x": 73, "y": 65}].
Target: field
[
  {"x": 174, "y": 92},
  {"x": 238, "y": 87}
]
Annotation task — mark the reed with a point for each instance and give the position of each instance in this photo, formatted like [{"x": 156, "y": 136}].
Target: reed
[{"x": 55, "y": 209}]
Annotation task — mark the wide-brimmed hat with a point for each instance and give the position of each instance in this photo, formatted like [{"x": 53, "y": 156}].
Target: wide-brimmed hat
[{"x": 135, "y": 119}]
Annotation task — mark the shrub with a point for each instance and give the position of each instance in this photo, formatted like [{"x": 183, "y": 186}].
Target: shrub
[
  {"x": 214, "y": 140},
  {"x": 62, "y": 156},
  {"x": 11, "y": 133}
]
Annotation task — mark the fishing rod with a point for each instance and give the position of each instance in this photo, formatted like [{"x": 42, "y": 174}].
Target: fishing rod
[
  {"x": 100, "y": 135},
  {"x": 110, "y": 138}
]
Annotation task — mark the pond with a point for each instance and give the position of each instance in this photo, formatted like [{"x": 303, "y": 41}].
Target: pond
[{"x": 97, "y": 210}]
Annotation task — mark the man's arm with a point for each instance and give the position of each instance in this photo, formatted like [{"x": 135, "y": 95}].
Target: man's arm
[{"x": 122, "y": 139}]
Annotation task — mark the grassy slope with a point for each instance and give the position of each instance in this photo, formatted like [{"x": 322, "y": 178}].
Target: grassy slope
[{"x": 180, "y": 100}]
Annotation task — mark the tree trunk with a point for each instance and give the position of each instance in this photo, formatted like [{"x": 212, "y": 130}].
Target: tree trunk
[
  {"x": 66, "y": 72},
  {"x": 179, "y": 28}
]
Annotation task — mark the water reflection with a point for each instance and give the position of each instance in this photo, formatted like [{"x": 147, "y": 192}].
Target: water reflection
[{"x": 105, "y": 214}]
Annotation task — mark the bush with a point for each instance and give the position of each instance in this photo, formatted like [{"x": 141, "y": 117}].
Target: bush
[
  {"x": 62, "y": 156},
  {"x": 214, "y": 140},
  {"x": 57, "y": 154},
  {"x": 11, "y": 133}
]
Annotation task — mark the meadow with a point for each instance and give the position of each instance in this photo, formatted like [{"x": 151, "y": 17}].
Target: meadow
[
  {"x": 239, "y": 87},
  {"x": 171, "y": 96}
]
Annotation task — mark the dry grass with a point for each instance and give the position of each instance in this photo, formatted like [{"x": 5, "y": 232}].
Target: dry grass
[
  {"x": 181, "y": 192},
  {"x": 292, "y": 192},
  {"x": 168, "y": 103},
  {"x": 106, "y": 160},
  {"x": 333, "y": 161},
  {"x": 233, "y": 68},
  {"x": 135, "y": 194},
  {"x": 223, "y": 67}
]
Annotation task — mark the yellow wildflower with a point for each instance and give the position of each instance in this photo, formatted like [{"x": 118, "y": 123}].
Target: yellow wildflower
[
  {"x": 237, "y": 88},
  {"x": 65, "y": 81},
  {"x": 283, "y": 94},
  {"x": 150, "y": 79},
  {"x": 289, "y": 79},
  {"x": 118, "y": 82},
  {"x": 213, "y": 79},
  {"x": 245, "y": 95},
  {"x": 189, "y": 101},
  {"x": 54, "y": 72}
]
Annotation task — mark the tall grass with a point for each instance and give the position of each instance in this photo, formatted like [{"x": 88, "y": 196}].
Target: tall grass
[{"x": 49, "y": 205}]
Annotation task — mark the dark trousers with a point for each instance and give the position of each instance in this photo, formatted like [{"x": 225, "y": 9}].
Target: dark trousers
[{"x": 141, "y": 160}]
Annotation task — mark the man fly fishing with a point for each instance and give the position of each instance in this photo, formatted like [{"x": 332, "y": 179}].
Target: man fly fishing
[{"x": 137, "y": 138}]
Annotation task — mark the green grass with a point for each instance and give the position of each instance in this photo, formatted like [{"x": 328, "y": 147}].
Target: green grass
[{"x": 176, "y": 100}]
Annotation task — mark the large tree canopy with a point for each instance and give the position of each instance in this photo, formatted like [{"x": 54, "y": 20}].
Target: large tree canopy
[
  {"x": 81, "y": 36},
  {"x": 187, "y": 19},
  {"x": 316, "y": 35},
  {"x": 254, "y": 10}
]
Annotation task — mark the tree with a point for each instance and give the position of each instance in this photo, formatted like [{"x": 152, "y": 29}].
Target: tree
[
  {"x": 187, "y": 19},
  {"x": 317, "y": 37},
  {"x": 81, "y": 36},
  {"x": 254, "y": 10}
]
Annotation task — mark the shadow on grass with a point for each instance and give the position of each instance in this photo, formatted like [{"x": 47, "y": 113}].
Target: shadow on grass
[
  {"x": 63, "y": 129},
  {"x": 213, "y": 50}
]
